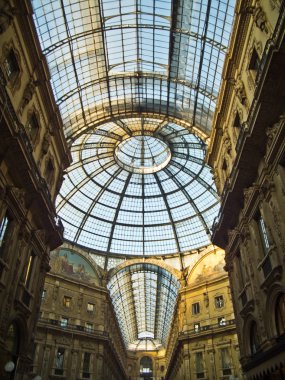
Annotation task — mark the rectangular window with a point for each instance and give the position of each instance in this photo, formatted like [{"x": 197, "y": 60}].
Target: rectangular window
[
  {"x": 64, "y": 322},
  {"x": 237, "y": 121},
  {"x": 254, "y": 62},
  {"x": 29, "y": 270},
  {"x": 196, "y": 327},
  {"x": 199, "y": 365},
  {"x": 219, "y": 302},
  {"x": 33, "y": 127},
  {"x": 4, "y": 227},
  {"x": 226, "y": 361},
  {"x": 49, "y": 171},
  {"x": 240, "y": 270},
  {"x": 44, "y": 294},
  {"x": 66, "y": 301},
  {"x": 196, "y": 308},
  {"x": 90, "y": 307},
  {"x": 59, "y": 360},
  {"x": 88, "y": 327},
  {"x": 263, "y": 234},
  {"x": 11, "y": 65},
  {"x": 86, "y": 365}
]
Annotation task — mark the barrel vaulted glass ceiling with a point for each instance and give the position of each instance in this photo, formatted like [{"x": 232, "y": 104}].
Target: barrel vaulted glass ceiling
[
  {"x": 144, "y": 317},
  {"x": 136, "y": 83}
]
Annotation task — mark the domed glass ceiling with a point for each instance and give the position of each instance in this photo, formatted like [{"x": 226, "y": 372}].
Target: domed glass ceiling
[
  {"x": 133, "y": 79},
  {"x": 142, "y": 192}
]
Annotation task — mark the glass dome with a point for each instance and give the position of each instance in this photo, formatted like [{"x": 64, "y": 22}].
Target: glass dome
[
  {"x": 142, "y": 154},
  {"x": 138, "y": 187}
]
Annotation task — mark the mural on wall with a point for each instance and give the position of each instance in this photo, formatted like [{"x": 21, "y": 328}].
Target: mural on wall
[
  {"x": 212, "y": 267},
  {"x": 71, "y": 264}
]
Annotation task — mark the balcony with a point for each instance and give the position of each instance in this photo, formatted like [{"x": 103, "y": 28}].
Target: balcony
[
  {"x": 204, "y": 330},
  {"x": 80, "y": 329}
]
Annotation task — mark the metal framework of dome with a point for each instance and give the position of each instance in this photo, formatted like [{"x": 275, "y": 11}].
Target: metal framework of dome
[
  {"x": 136, "y": 83},
  {"x": 145, "y": 194},
  {"x": 136, "y": 186},
  {"x": 145, "y": 317}
]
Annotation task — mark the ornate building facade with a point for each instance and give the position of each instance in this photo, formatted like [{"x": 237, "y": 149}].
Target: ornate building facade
[
  {"x": 203, "y": 341},
  {"x": 33, "y": 156},
  {"x": 247, "y": 153},
  {"x": 78, "y": 335}
]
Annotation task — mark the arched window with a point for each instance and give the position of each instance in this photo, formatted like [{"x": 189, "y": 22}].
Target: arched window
[
  {"x": 280, "y": 314},
  {"x": 12, "y": 340},
  {"x": 11, "y": 350},
  {"x": 254, "y": 340},
  {"x": 146, "y": 368}
]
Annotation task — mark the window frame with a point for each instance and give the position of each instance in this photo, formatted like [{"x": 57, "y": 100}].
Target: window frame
[
  {"x": 89, "y": 327},
  {"x": 92, "y": 309},
  {"x": 196, "y": 309},
  {"x": 33, "y": 127},
  {"x": 280, "y": 314},
  {"x": 5, "y": 226},
  {"x": 64, "y": 322},
  {"x": 67, "y": 301},
  {"x": 11, "y": 65},
  {"x": 217, "y": 299},
  {"x": 59, "y": 364}
]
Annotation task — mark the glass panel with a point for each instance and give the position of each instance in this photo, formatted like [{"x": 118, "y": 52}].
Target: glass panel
[
  {"x": 113, "y": 57},
  {"x": 141, "y": 195},
  {"x": 144, "y": 317}
]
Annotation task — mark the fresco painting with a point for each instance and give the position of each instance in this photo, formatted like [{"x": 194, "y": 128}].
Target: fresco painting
[
  {"x": 212, "y": 267},
  {"x": 69, "y": 263}
]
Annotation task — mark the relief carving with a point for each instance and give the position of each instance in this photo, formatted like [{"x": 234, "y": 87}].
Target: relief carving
[
  {"x": 7, "y": 12},
  {"x": 271, "y": 133},
  {"x": 227, "y": 144},
  {"x": 260, "y": 19},
  {"x": 240, "y": 91},
  {"x": 278, "y": 226},
  {"x": 63, "y": 340},
  {"x": 45, "y": 144},
  {"x": 28, "y": 94},
  {"x": 19, "y": 195}
]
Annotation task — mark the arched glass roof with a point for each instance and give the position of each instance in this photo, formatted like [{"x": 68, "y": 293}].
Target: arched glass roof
[
  {"x": 125, "y": 75},
  {"x": 140, "y": 194},
  {"x": 136, "y": 83},
  {"x": 144, "y": 316},
  {"x": 109, "y": 58}
]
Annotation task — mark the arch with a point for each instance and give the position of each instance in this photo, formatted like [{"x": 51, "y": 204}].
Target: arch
[
  {"x": 146, "y": 368},
  {"x": 273, "y": 295},
  {"x": 129, "y": 114},
  {"x": 13, "y": 338},
  {"x": 175, "y": 272},
  {"x": 78, "y": 265},
  {"x": 279, "y": 312},
  {"x": 216, "y": 268},
  {"x": 142, "y": 294},
  {"x": 253, "y": 338},
  {"x": 248, "y": 330},
  {"x": 14, "y": 341}
]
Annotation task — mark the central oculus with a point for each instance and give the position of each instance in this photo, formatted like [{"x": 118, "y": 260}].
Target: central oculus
[{"x": 143, "y": 154}]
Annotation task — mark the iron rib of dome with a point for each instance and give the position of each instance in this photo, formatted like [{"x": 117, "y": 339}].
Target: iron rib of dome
[
  {"x": 119, "y": 197},
  {"x": 129, "y": 71}
]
